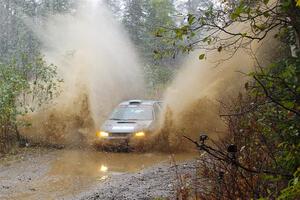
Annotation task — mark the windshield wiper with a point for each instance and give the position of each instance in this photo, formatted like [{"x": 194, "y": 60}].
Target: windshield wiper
[
  {"x": 128, "y": 119},
  {"x": 115, "y": 119},
  {"x": 137, "y": 119}
]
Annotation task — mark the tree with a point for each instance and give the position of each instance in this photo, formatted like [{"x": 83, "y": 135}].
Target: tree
[
  {"x": 141, "y": 18},
  {"x": 56, "y": 6},
  {"x": 160, "y": 14},
  {"x": 23, "y": 89},
  {"x": 134, "y": 21},
  {"x": 192, "y": 6},
  {"x": 115, "y": 7},
  {"x": 213, "y": 26},
  {"x": 16, "y": 36}
]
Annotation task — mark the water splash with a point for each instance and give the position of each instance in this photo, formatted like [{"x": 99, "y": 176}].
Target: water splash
[{"x": 99, "y": 67}]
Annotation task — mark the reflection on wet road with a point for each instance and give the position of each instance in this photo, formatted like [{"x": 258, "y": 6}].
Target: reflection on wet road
[
  {"x": 67, "y": 173},
  {"x": 87, "y": 163}
]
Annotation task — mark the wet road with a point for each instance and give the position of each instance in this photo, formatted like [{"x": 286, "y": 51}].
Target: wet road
[{"x": 66, "y": 174}]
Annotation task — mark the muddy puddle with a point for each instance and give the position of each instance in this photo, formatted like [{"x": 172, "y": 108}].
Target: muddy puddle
[
  {"x": 91, "y": 163},
  {"x": 65, "y": 174}
]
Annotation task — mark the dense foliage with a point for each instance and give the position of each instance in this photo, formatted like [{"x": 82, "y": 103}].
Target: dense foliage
[
  {"x": 279, "y": 118},
  {"x": 264, "y": 120},
  {"x": 264, "y": 124}
]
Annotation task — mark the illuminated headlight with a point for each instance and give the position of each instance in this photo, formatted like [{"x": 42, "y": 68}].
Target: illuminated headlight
[
  {"x": 102, "y": 134},
  {"x": 103, "y": 168},
  {"x": 139, "y": 134}
]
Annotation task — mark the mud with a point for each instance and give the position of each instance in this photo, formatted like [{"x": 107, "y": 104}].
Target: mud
[
  {"x": 199, "y": 117},
  {"x": 74, "y": 174},
  {"x": 62, "y": 124}
]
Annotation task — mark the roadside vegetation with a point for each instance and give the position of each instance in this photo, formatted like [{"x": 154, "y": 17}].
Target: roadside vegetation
[
  {"x": 23, "y": 88},
  {"x": 27, "y": 82},
  {"x": 260, "y": 157}
]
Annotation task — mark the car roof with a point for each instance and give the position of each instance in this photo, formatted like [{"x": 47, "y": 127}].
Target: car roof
[{"x": 139, "y": 102}]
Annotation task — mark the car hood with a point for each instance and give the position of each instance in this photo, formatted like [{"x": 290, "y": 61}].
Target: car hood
[{"x": 124, "y": 126}]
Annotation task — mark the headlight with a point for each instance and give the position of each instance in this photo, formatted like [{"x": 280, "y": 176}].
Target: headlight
[
  {"x": 103, "y": 168},
  {"x": 102, "y": 134},
  {"x": 139, "y": 134}
]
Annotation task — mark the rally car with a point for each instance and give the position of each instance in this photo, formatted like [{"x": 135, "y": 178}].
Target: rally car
[{"x": 131, "y": 123}]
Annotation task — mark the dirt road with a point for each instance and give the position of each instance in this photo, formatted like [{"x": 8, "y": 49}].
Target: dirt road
[{"x": 85, "y": 174}]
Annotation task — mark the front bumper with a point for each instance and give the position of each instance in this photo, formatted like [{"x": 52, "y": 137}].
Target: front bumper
[{"x": 118, "y": 141}]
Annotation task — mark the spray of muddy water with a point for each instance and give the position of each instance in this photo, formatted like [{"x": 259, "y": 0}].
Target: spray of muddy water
[
  {"x": 192, "y": 102},
  {"x": 99, "y": 68}
]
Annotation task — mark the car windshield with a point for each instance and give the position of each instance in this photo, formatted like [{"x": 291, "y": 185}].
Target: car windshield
[{"x": 132, "y": 113}]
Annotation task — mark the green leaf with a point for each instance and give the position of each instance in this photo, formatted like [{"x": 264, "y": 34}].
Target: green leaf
[
  {"x": 238, "y": 11},
  {"x": 244, "y": 34},
  {"x": 286, "y": 5},
  {"x": 191, "y": 19},
  {"x": 266, "y": 14},
  {"x": 233, "y": 16},
  {"x": 202, "y": 56}
]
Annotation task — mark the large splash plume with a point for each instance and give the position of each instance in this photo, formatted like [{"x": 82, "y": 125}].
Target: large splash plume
[
  {"x": 99, "y": 68},
  {"x": 192, "y": 102},
  {"x": 195, "y": 99}
]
